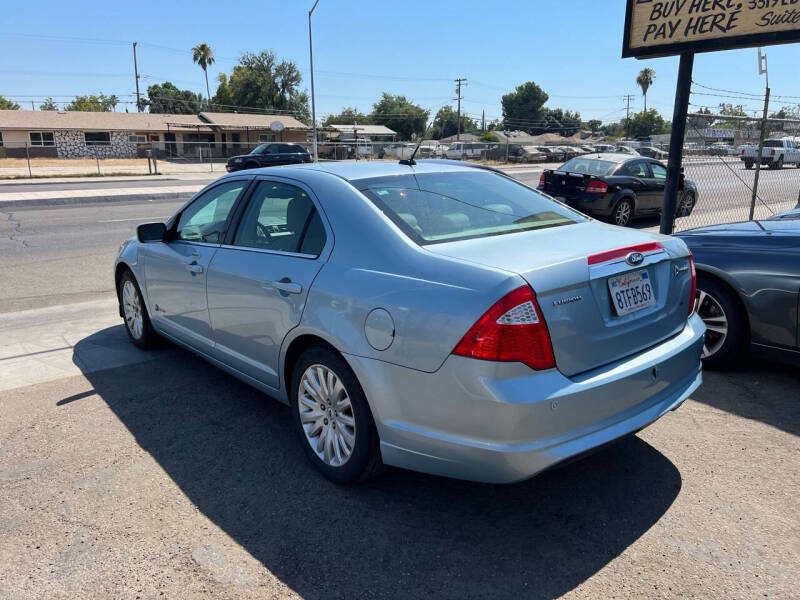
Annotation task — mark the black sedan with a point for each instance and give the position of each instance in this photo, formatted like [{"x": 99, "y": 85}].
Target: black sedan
[
  {"x": 618, "y": 187},
  {"x": 748, "y": 288},
  {"x": 269, "y": 155}
]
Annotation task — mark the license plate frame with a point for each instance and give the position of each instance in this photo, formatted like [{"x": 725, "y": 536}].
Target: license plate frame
[{"x": 631, "y": 292}]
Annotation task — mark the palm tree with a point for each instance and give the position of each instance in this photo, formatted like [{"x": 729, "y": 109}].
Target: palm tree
[
  {"x": 645, "y": 79},
  {"x": 203, "y": 55}
]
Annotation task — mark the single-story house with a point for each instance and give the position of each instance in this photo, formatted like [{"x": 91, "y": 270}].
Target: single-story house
[
  {"x": 464, "y": 137},
  {"x": 76, "y": 134},
  {"x": 375, "y": 133}
]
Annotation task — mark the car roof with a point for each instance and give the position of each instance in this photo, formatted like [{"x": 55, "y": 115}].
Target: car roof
[
  {"x": 613, "y": 156},
  {"x": 354, "y": 171}
]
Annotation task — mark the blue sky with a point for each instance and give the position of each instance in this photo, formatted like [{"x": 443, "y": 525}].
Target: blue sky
[{"x": 364, "y": 47}]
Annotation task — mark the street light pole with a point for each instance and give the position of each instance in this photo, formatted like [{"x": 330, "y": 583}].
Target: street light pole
[{"x": 313, "y": 103}]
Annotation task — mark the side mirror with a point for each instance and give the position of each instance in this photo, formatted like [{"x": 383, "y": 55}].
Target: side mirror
[{"x": 149, "y": 233}]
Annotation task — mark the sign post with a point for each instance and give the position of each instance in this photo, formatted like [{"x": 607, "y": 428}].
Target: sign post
[{"x": 655, "y": 28}]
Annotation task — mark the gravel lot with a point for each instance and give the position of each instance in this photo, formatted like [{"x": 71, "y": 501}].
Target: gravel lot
[{"x": 168, "y": 478}]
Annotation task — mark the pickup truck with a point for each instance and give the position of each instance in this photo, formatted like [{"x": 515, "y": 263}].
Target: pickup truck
[{"x": 776, "y": 153}]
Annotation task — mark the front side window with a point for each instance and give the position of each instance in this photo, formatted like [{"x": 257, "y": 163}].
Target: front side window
[
  {"x": 97, "y": 138},
  {"x": 443, "y": 207},
  {"x": 204, "y": 220},
  {"x": 42, "y": 138},
  {"x": 282, "y": 218},
  {"x": 659, "y": 172}
]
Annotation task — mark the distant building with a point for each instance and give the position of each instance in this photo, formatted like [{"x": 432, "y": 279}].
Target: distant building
[
  {"x": 464, "y": 137},
  {"x": 76, "y": 134},
  {"x": 376, "y": 133}
]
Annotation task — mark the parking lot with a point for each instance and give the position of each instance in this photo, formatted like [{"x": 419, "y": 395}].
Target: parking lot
[{"x": 127, "y": 474}]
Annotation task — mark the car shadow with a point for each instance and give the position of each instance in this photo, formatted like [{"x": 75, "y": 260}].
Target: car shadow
[
  {"x": 232, "y": 451},
  {"x": 757, "y": 390}
]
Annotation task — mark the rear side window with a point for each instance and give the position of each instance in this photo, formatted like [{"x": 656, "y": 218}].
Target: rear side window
[
  {"x": 282, "y": 218},
  {"x": 589, "y": 166},
  {"x": 443, "y": 207},
  {"x": 635, "y": 169}
]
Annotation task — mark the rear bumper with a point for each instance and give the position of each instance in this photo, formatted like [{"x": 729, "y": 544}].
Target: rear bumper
[
  {"x": 595, "y": 204},
  {"x": 503, "y": 422}
]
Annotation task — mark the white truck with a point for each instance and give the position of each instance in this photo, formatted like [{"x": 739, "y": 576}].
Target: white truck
[{"x": 776, "y": 154}]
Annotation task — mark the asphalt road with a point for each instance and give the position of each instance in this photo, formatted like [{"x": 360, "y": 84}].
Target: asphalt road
[
  {"x": 130, "y": 474},
  {"x": 14, "y": 186}
]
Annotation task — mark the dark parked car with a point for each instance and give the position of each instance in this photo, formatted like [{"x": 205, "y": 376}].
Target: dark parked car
[
  {"x": 618, "y": 187},
  {"x": 748, "y": 288},
  {"x": 651, "y": 152},
  {"x": 269, "y": 155}
]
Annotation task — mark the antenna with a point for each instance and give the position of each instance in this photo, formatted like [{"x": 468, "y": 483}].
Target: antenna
[{"x": 411, "y": 162}]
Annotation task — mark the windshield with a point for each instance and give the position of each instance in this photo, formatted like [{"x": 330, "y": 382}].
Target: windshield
[
  {"x": 444, "y": 207},
  {"x": 259, "y": 149},
  {"x": 589, "y": 166}
]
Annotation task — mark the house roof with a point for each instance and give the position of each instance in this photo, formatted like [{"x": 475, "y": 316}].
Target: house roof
[
  {"x": 144, "y": 122},
  {"x": 365, "y": 129},
  {"x": 252, "y": 120},
  {"x": 95, "y": 121},
  {"x": 465, "y": 137}
]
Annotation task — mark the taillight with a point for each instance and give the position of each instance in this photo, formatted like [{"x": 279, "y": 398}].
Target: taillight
[
  {"x": 596, "y": 187},
  {"x": 513, "y": 330},
  {"x": 541, "y": 180},
  {"x": 772, "y": 153},
  {"x": 694, "y": 284}
]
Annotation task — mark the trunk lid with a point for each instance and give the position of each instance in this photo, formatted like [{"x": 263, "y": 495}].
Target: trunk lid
[
  {"x": 561, "y": 184},
  {"x": 574, "y": 295}
]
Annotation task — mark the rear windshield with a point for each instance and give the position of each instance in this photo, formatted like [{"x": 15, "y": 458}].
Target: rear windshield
[
  {"x": 773, "y": 144},
  {"x": 589, "y": 166},
  {"x": 444, "y": 207}
]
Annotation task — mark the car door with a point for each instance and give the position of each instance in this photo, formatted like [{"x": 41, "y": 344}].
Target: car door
[
  {"x": 175, "y": 271},
  {"x": 643, "y": 184},
  {"x": 259, "y": 280}
]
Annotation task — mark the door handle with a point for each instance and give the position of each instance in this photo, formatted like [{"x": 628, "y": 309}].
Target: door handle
[
  {"x": 194, "y": 268},
  {"x": 284, "y": 285}
]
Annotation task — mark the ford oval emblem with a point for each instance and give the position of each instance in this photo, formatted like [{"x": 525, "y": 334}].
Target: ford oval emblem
[{"x": 634, "y": 258}]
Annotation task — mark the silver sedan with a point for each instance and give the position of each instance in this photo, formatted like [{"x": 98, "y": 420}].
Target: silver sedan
[{"x": 441, "y": 318}]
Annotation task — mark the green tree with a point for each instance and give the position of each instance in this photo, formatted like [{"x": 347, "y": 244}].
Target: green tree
[
  {"x": 48, "y": 104},
  {"x": 646, "y": 123},
  {"x": 488, "y": 136},
  {"x": 644, "y": 80},
  {"x": 400, "y": 115},
  {"x": 223, "y": 99},
  {"x": 785, "y": 113},
  {"x": 6, "y": 104},
  {"x": 348, "y": 116},
  {"x": 594, "y": 125},
  {"x": 165, "y": 98},
  {"x": 524, "y": 107},
  {"x": 203, "y": 55},
  {"x": 113, "y": 100},
  {"x": 261, "y": 81},
  {"x": 445, "y": 124},
  {"x": 700, "y": 122},
  {"x": 730, "y": 110},
  {"x": 559, "y": 121},
  {"x": 90, "y": 103}
]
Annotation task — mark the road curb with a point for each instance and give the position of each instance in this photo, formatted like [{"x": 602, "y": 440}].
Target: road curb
[{"x": 70, "y": 200}]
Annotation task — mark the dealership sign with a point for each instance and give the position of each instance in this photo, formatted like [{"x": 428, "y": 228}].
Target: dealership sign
[{"x": 667, "y": 27}]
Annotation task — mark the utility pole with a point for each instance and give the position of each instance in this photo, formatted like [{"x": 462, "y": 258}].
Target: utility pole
[
  {"x": 762, "y": 70},
  {"x": 136, "y": 73},
  {"x": 313, "y": 99},
  {"x": 459, "y": 82},
  {"x": 628, "y": 99}
]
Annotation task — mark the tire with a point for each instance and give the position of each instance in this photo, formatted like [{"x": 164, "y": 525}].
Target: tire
[
  {"x": 720, "y": 310},
  {"x": 780, "y": 163},
  {"x": 623, "y": 213},
  {"x": 137, "y": 320},
  {"x": 364, "y": 460},
  {"x": 686, "y": 205},
  {"x": 748, "y": 165}
]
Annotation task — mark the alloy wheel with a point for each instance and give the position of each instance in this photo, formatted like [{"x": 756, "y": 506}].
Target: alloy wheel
[
  {"x": 711, "y": 312},
  {"x": 623, "y": 213},
  {"x": 326, "y": 415},
  {"x": 132, "y": 307}
]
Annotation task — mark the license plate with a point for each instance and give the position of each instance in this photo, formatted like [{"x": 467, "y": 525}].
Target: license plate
[{"x": 631, "y": 292}]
